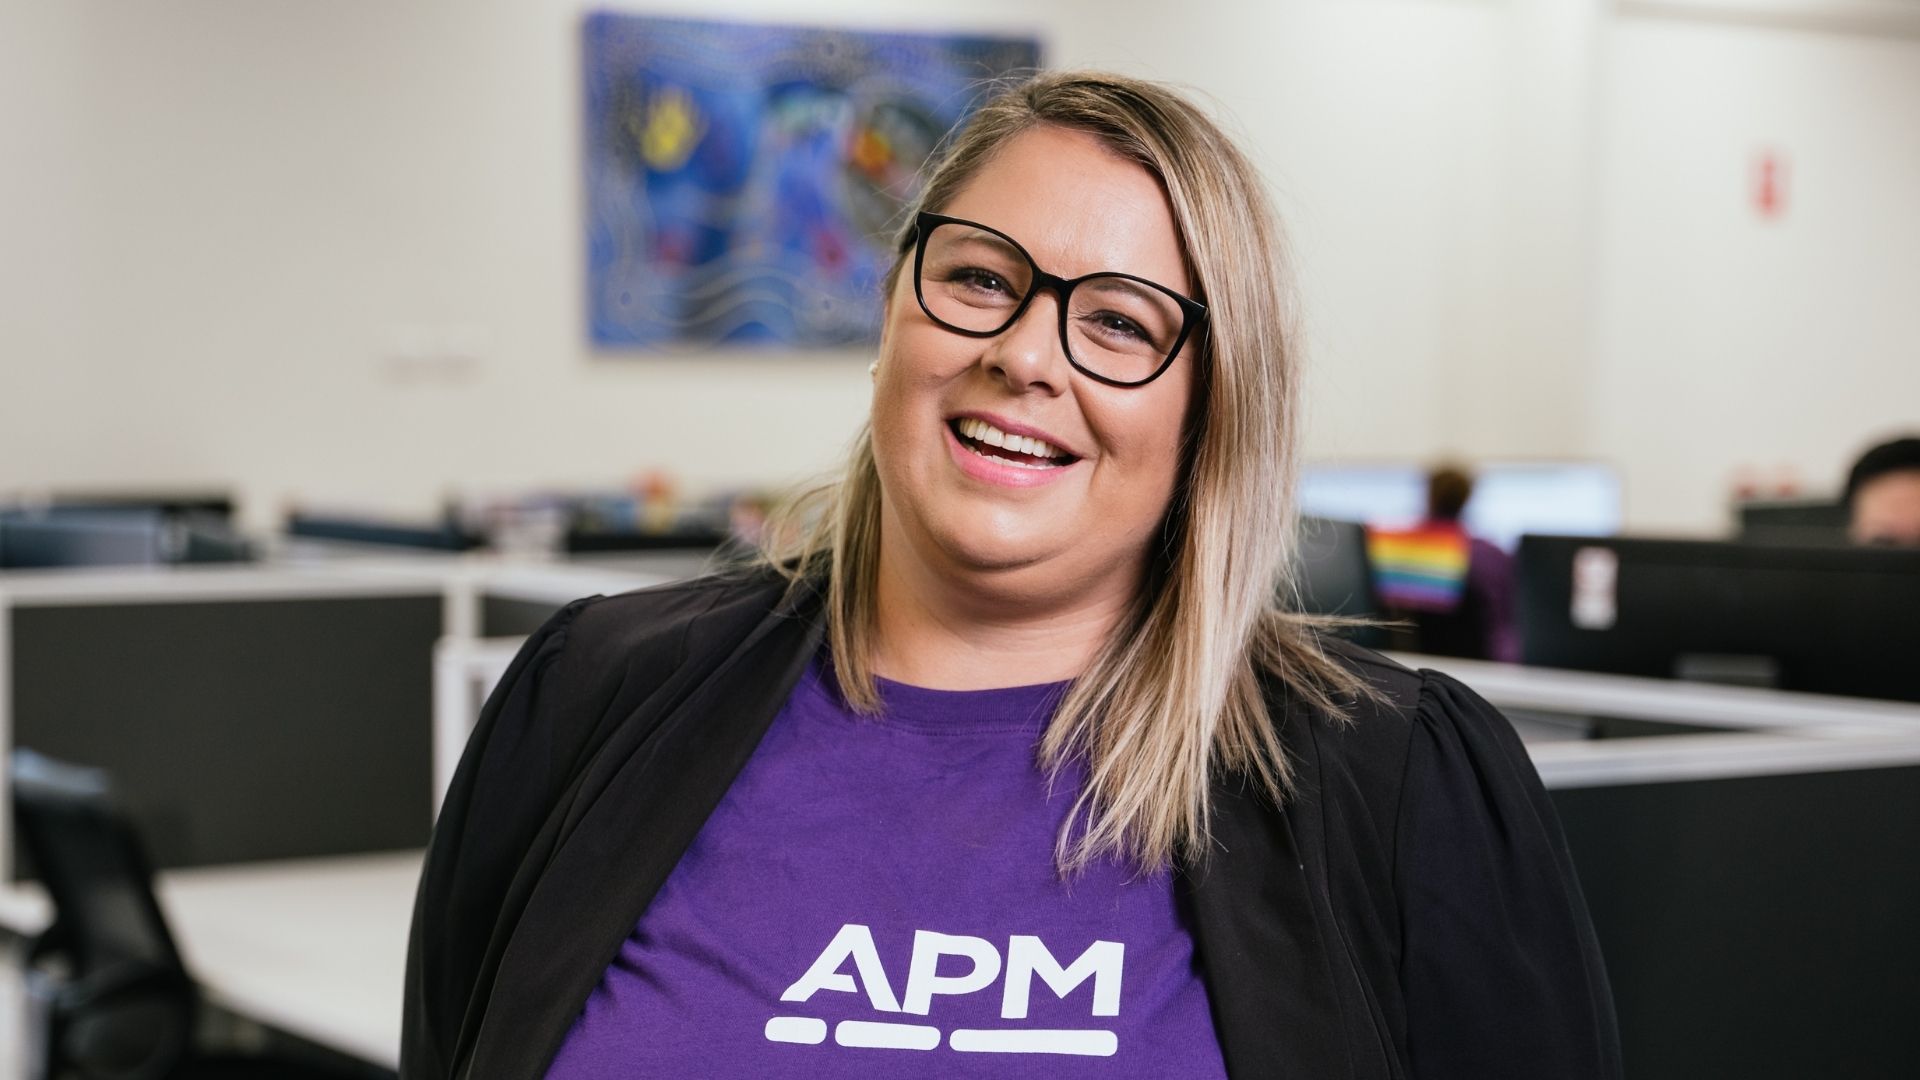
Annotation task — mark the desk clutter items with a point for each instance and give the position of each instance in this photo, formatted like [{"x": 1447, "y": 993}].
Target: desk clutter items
[{"x": 651, "y": 513}]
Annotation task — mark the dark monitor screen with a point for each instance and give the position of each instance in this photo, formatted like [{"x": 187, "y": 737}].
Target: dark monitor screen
[
  {"x": 1821, "y": 620},
  {"x": 1333, "y": 573},
  {"x": 1334, "y": 576},
  {"x": 200, "y": 505},
  {"x": 67, "y": 537},
  {"x": 82, "y": 538},
  {"x": 433, "y": 536},
  {"x": 1801, "y": 522}
]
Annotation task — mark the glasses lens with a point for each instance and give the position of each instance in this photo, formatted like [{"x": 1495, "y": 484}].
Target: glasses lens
[
  {"x": 1121, "y": 328},
  {"x": 971, "y": 279}
]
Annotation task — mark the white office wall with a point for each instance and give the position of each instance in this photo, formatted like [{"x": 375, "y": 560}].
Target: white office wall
[
  {"x": 43, "y": 374},
  {"x": 1384, "y": 127},
  {"x": 1729, "y": 341},
  {"x": 1519, "y": 228},
  {"x": 237, "y": 215},
  {"x": 269, "y": 203}
]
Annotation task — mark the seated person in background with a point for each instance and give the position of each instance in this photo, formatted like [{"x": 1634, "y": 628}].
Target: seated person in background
[
  {"x": 1883, "y": 495},
  {"x": 1456, "y": 590}
]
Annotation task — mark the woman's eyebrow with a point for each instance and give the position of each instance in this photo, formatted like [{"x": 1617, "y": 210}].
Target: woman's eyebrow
[
  {"x": 986, "y": 239},
  {"x": 1125, "y": 286}
]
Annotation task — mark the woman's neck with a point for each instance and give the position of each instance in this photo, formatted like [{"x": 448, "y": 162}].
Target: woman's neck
[{"x": 980, "y": 629}]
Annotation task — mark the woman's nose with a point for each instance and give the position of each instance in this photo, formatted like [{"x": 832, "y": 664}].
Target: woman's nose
[{"x": 1028, "y": 355}]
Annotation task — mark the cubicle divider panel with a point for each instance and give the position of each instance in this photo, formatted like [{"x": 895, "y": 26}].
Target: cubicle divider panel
[
  {"x": 244, "y": 729},
  {"x": 1757, "y": 926},
  {"x": 513, "y": 616}
]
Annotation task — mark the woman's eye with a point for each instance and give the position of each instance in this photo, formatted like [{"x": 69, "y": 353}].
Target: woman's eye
[
  {"x": 982, "y": 280},
  {"x": 1116, "y": 327}
]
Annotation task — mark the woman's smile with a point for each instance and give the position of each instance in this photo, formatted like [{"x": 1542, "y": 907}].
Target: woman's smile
[{"x": 998, "y": 452}]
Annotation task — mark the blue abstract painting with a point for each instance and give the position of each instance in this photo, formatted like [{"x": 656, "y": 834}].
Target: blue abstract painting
[{"x": 743, "y": 182}]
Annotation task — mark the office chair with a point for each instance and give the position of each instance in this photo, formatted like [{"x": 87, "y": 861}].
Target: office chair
[
  {"x": 1334, "y": 577},
  {"x": 114, "y": 999}
]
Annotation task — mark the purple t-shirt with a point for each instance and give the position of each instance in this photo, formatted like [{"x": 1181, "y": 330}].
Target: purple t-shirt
[{"x": 877, "y": 897}]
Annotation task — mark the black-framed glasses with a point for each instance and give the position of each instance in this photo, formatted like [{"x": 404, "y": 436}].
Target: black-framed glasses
[{"x": 1120, "y": 329}]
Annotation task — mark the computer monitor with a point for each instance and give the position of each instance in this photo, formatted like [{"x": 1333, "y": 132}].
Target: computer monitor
[
  {"x": 432, "y": 536},
  {"x": 1815, "y": 619},
  {"x": 82, "y": 538},
  {"x": 1389, "y": 495},
  {"x": 197, "y": 505},
  {"x": 1554, "y": 498},
  {"x": 1510, "y": 498},
  {"x": 1793, "y": 522},
  {"x": 69, "y": 537},
  {"x": 1335, "y": 577}
]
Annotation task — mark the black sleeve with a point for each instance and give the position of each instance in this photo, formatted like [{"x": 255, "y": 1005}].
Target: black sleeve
[
  {"x": 478, "y": 843},
  {"x": 1500, "y": 968}
]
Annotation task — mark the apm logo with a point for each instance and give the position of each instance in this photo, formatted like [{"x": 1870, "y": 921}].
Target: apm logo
[{"x": 1027, "y": 958}]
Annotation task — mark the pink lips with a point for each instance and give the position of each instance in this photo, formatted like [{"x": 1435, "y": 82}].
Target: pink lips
[
  {"x": 1012, "y": 428},
  {"x": 1000, "y": 473}
]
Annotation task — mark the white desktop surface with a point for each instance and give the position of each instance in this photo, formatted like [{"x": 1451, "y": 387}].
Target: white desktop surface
[{"x": 313, "y": 947}]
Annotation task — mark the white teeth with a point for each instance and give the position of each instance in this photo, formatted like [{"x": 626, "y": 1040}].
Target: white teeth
[{"x": 983, "y": 432}]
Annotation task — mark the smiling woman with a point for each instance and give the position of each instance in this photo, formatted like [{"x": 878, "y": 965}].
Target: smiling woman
[{"x": 1011, "y": 760}]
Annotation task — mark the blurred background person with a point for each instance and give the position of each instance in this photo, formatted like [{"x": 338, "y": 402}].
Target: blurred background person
[
  {"x": 1455, "y": 590},
  {"x": 1883, "y": 495}
]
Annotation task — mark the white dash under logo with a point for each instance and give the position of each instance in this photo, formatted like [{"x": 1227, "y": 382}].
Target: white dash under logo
[{"x": 1027, "y": 958}]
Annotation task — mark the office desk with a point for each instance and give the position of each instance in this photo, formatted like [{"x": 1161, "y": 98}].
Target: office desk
[{"x": 313, "y": 947}]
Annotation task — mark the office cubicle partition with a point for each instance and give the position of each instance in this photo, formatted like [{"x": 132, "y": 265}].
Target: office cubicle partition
[
  {"x": 245, "y": 714},
  {"x": 1761, "y": 926},
  {"x": 1754, "y": 889}
]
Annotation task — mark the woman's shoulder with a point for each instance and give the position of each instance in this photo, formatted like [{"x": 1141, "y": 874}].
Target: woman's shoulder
[
  {"x": 685, "y": 614},
  {"x": 1411, "y": 720},
  {"x": 1405, "y": 698}
]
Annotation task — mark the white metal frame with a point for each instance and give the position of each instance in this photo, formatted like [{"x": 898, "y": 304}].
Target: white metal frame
[{"x": 1769, "y": 732}]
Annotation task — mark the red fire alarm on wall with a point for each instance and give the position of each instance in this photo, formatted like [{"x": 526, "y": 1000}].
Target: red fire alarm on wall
[{"x": 1770, "y": 185}]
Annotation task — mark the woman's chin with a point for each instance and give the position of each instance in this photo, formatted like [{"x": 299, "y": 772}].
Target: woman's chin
[{"x": 972, "y": 550}]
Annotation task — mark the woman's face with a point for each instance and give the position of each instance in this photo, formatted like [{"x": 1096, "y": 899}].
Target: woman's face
[{"x": 1082, "y": 511}]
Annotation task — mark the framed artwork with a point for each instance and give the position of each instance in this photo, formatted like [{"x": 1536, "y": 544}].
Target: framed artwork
[{"x": 744, "y": 182}]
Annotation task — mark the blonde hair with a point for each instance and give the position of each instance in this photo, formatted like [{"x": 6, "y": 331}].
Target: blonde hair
[{"x": 1176, "y": 695}]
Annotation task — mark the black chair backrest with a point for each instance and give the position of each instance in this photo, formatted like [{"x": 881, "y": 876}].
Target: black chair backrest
[
  {"x": 1334, "y": 575},
  {"x": 89, "y": 859}
]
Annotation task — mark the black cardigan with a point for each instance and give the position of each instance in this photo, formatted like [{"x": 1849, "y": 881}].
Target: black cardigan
[{"x": 1412, "y": 912}]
